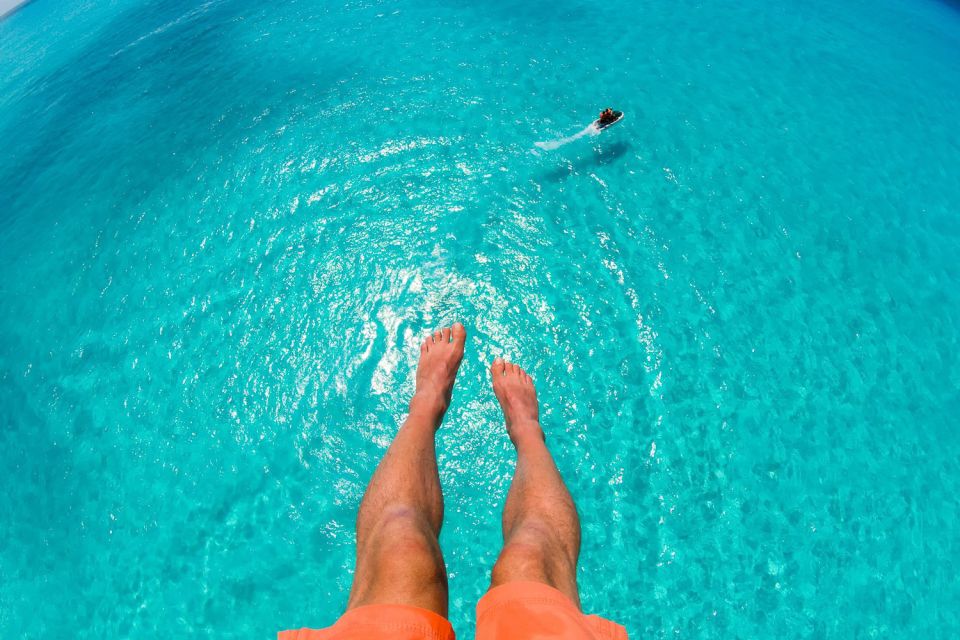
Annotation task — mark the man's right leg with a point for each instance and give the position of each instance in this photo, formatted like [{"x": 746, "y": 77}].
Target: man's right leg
[{"x": 541, "y": 530}]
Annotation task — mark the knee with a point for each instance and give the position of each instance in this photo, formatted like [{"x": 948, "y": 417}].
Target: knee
[
  {"x": 539, "y": 553},
  {"x": 521, "y": 561},
  {"x": 403, "y": 547},
  {"x": 399, "y": 562}
]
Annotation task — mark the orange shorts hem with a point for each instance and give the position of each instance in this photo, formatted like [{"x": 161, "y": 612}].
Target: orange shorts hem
[
  {"x": 374, "y": 621},
  {"x": 535, "y": 610},
  {"x": 512, "y": 611}
]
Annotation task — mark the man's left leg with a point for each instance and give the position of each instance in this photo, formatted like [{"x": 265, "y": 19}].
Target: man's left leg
[{"x": 398, "y": 556}]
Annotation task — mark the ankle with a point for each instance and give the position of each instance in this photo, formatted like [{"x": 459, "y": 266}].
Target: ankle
[
  {"x": 526, "y": 433},
  {"x": 428, "y": 403}
]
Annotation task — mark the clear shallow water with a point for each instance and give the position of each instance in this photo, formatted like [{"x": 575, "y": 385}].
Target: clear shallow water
[{"x": 226, "y": 226}]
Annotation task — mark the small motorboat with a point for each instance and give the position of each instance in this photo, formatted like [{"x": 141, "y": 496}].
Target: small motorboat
[{"x": 603, "y": 123}]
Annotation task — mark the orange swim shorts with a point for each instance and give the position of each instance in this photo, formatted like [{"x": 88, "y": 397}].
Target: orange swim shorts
[{"x": 512, "y": 611}]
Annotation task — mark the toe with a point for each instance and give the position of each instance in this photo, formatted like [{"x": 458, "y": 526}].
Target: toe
[
  {"x": 459, "y": 333},
  {"x": 425, "y": 345},
  {"x": 438, "y": 336},
  {"x": 445, "y": 338},
  {"x": 497, "y": 368}
]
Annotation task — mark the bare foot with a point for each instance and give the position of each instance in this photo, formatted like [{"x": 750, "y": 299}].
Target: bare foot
[
  {"x": 440, "y": 356},
  {"x": 518, "y": 400}
]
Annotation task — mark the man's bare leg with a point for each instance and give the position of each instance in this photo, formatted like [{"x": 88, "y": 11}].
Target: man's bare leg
[
  {"x": 541, "y": 530},
  {"x": 398, "y": 556}
]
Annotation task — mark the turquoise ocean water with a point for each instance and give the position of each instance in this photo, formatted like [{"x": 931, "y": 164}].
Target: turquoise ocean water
[{"x": 226, "y": 224}]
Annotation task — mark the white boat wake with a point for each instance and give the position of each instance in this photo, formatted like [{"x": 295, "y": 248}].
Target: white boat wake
[{"x": 590, "y": 130}]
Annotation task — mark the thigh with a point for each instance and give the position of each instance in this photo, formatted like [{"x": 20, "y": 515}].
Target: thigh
[{"x": 399, "y": 562}]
